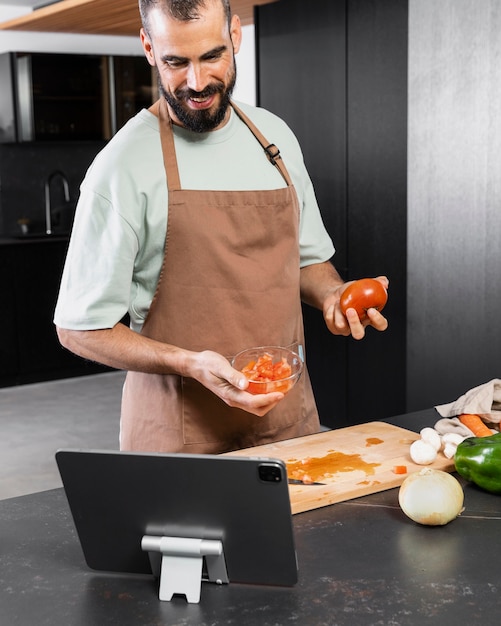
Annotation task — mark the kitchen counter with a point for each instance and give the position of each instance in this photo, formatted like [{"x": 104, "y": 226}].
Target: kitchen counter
[
  {"x": 6, "y": 240},
  {"x": 360, "y": 562}
]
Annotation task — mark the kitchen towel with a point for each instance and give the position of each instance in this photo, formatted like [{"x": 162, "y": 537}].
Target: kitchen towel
[{"x": 484, "y": 400}]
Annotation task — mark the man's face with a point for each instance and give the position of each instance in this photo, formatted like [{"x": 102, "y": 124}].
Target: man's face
[{"x": 195, "y": 64}]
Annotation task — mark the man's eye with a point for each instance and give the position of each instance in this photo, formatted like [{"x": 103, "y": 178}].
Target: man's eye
[
  {"x": 213, "y": 57},
  {"x": 175, "y": 63}
]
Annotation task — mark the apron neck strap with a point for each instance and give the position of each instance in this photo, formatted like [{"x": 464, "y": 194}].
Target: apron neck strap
[
  {"x": 271, "y": 150},
  {"x": 159, "y": 108}
]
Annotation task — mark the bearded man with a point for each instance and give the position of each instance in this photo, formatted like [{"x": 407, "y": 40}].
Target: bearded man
[{"x": 200, "y": 221}]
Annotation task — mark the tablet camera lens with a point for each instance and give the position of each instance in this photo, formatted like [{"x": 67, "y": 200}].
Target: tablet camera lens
[{"x": 270, "y": 473}]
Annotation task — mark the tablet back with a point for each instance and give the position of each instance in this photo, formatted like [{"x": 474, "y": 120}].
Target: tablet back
[{"x": 118, "y": 497}]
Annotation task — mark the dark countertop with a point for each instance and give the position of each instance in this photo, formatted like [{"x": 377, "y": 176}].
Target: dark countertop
[
  {"x": 6, "y": 240},
  {"x": 360, "y": 562}
]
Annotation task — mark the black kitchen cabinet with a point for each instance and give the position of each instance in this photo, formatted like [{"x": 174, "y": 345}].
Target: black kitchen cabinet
[
  {"x": 60, "y": 97},
  {"x": 9, "y": 354},
  {"x": 336, "y": 71},
  {"x": 30, "y": 272},
  {"x": 70, "y": 97},
  {"x": 134, "y": 87},
  {"x": 7, "y": 104}
]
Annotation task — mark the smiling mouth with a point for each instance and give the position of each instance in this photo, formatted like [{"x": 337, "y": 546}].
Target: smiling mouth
[{"x": 201, "y": 102}]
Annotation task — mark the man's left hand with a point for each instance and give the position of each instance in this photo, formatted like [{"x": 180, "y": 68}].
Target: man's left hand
[{"x": 350, "y": 324}]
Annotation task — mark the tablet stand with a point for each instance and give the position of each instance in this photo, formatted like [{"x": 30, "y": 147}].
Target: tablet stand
[{"x": 182, "y": 560}]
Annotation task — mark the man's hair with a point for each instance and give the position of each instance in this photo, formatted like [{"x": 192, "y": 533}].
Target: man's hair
[{"x": 182, "y": 10}]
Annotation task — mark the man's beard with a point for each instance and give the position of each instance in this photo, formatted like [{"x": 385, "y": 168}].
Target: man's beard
[{"x": 199, "y": 121}]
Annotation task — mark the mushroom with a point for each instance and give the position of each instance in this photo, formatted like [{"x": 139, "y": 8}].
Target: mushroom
[
  {"x": 451, "y": 442},
  {"x": 431, "y": 436},
  {"x": 422, "y": 452}
]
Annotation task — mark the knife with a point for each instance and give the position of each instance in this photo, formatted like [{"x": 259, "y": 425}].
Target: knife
[{"x": 295, "y": 481}]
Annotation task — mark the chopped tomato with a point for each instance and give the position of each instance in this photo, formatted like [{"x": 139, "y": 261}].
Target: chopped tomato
[
  {"x": 266, "y": 376},
  {"x": 307, "y": 479}
]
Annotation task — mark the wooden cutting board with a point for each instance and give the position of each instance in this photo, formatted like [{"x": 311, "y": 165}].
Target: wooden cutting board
[{"x": 352, "y": 462}]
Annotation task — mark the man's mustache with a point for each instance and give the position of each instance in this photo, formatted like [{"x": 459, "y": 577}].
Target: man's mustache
[{"x": 210, "y": 90}]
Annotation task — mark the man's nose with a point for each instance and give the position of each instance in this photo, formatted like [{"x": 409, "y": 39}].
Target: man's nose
[{"x": 196, "y": 78}]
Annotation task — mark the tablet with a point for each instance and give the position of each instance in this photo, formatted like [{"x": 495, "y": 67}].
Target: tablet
[{"x": 119, "y": 498}]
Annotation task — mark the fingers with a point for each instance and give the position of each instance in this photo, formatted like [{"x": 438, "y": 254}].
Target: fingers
[
  {"x": 377, "y": 320},
  {"x": 258, "y": 404},
  {"x": 357, "y": 327},
  {"x": 236, "y": 397},
  {"x": 335, "y": 321},
  {"x": 350, "y": 324},
  {"x": 216, "y": 373},
  {"x": 384, "y": 281}
]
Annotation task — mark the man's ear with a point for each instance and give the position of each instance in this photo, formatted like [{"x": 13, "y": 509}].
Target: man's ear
[
  {"x": 236, "y": 33},
  {"x": 147, "y": 47}
]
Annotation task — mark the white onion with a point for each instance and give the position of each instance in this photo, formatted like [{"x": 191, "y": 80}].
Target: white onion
[{"x": 431, "y": 497}]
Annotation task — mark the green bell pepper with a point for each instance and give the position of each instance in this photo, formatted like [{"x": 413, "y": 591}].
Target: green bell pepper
[{"x": 478, "y": 459}]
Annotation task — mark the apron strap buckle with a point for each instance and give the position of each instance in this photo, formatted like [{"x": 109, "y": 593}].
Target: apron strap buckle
[{"x": 273, "y": 153}]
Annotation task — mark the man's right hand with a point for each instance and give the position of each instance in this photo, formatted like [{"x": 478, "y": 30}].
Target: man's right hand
[
  {"x": 215, "y": 372},
  {"x": 122, "y": 348}
]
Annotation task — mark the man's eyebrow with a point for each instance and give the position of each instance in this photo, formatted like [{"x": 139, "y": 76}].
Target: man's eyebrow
[
  {"x": 207, "y": 55},
  {"x": 214, "y": 52},
  {"x": 173, "y": 57}
]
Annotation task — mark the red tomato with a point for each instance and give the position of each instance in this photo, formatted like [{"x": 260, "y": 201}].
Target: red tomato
[
  {"x": 266, "y": 376},
  {"x": 363, "y": 294}
]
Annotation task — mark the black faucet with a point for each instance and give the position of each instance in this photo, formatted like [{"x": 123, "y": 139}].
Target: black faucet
[{"x": 48, "y": 209}]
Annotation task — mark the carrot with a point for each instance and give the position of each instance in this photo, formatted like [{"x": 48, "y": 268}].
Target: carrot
[
  {"x": 400, "y": 469},
  {"x": 475, "y": 424}
]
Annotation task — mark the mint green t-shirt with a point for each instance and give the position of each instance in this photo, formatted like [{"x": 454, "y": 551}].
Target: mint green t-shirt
[{"x": 117, "y": 243}]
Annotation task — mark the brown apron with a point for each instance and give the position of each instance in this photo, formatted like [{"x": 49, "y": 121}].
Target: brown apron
[{"x": 229, "y": 281}]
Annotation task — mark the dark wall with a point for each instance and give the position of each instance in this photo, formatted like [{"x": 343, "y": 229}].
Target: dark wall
[
  {"x": 454, "y": 310},
  {"x": 25, "y": 167},
  {"x": 301, "y": 62},
  {"x": 336, "y": 71}
]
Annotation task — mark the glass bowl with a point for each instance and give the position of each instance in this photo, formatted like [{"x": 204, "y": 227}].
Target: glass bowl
[{"x": 269, "y": 368}]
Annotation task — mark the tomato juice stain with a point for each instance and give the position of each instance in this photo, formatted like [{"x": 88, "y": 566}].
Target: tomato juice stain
[
  {"x": 316, "y": 468},
  {"x": 373, "y": 441}
]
